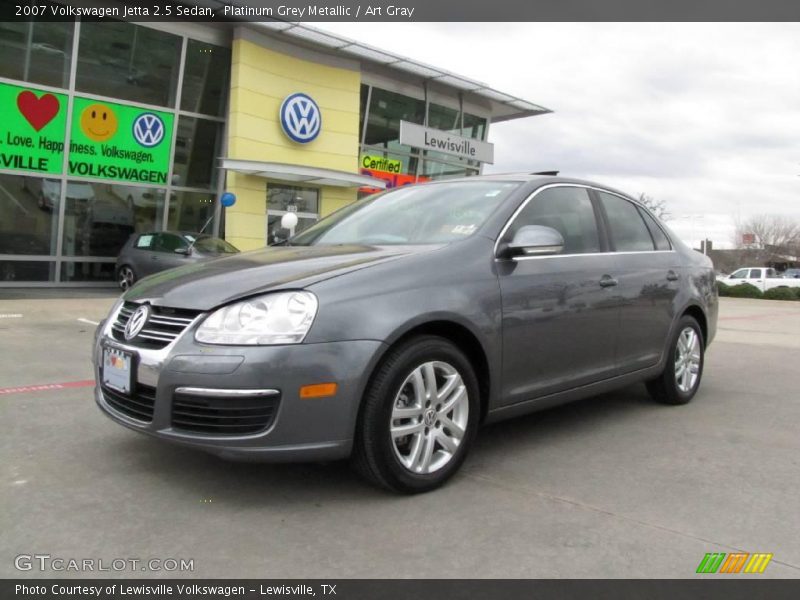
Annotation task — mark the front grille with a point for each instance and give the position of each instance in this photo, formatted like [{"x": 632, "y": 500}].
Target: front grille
[
  {"x": 138, "y": 405},
  {"x": 223, "y": 416},
  {"x": 162, "y": 327}
]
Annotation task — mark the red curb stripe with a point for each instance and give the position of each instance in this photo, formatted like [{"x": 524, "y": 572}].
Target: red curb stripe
[{"x": 46, "y": 387}]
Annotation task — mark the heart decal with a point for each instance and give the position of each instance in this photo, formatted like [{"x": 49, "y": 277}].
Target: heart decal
[{"x": 37, "y": 111}]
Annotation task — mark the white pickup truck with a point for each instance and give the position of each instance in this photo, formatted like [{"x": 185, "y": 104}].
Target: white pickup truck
[{"x": 761, "y": 277}]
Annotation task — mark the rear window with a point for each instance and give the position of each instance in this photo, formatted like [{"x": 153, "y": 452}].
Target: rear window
[
  {"x": 659, "y": 237},
  {"x": 628, "y": 230}
]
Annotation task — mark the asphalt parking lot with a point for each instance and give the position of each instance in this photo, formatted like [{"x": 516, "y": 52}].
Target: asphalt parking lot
[{"x": 613, "y": 486}]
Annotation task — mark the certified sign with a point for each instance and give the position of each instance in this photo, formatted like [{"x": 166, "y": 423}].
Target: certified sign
[{"x": 301, "y": 119}]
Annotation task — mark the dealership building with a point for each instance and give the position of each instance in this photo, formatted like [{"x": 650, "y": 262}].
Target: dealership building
[{"x": 112, "y": 128}]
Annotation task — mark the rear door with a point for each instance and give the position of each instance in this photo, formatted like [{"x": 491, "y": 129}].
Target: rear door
[
  {"x": 756, "y": 278},
  {"x": 648, "y": 272},
  {"x": 560, "y": 317}
]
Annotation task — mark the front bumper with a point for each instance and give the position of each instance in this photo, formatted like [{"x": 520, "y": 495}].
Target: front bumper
[{"x": 301, "y": 429}]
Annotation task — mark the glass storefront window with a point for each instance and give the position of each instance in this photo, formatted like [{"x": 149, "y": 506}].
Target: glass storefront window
[
  {"x": 87, "y": 271},
  {"x": 127, "y": 61},
  {"x": 27, "y": 270},
  {"x": 440, "y": 170},
  {"x": 191, "y": 211},
  {"x": 292, "y": 198},
  {"x": 37, "y": 52},
  {"x": 28, "y": 214},
  {"x": 386, "y": 110},
  {"x": 474, "y": 127},
  {"x": 282, "y": 199},
  {"x": 196, "y": 152},
  {"x": 100, "y": 217},
  {"x": 205, "y": 78},
  {"x": 441, "y": 117}
]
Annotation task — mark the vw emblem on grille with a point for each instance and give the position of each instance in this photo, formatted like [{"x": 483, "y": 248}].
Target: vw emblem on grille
[
  {"x": 137, "y": 322},
  {"x": 301, "y": 119}
]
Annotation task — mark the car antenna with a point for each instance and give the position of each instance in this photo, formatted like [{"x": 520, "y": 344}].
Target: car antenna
[
  {"x": 550, "y": 173},
  {"x": 202, "y": 229}
]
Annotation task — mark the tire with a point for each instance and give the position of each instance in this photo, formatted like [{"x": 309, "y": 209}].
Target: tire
[
  {"x": 396, "y": 400},
  {"x": 675, "y": 386},
  {"x": 126, "y": 277}
]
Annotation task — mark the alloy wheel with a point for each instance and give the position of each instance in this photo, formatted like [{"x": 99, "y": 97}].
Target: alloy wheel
[
  {"x": 429, "y": 417},
  {"x": 687, "y": 360},
  {"x": 126, "y": 278}
]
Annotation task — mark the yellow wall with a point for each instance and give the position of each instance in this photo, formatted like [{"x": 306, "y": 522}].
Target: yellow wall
[{"x": 260, "y": 79}]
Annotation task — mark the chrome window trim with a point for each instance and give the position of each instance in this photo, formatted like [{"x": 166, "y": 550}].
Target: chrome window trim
[{"x": 537, "y": 191}]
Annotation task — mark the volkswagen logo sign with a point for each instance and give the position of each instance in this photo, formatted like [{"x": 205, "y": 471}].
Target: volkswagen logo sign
[
  {"x": 137, "y": 321},
  {"x": 148, "y": 130},
  {"x": 301, "y": 119}
]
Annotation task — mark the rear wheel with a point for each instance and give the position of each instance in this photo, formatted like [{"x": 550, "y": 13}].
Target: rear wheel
[
  {"x": 419, "y": 417},
  {"x": 684, "y": 369},
  {"x": 126, "y": 277}
]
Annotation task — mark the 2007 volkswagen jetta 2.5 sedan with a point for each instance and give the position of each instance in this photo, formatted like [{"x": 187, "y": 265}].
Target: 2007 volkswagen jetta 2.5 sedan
[{"x": 390, "y": 330}]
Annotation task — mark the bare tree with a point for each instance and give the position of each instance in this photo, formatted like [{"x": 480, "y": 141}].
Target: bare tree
[
  {"x": 769, "y": 237},
  {"x": 657, "y": 207}
]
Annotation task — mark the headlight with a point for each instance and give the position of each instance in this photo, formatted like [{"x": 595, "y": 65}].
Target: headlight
[{"x": 279, "y": 318}]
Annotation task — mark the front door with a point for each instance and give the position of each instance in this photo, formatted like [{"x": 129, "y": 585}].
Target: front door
[{"x": 561, "y": 312}]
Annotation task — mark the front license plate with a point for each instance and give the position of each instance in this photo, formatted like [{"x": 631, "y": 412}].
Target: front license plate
[{"x": 118, "y": 370}]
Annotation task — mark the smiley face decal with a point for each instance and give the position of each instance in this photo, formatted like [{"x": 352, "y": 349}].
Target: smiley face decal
[{"x": 99, "y": 122}]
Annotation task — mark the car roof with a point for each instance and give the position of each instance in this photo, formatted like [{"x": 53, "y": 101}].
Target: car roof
[{"x": 540, "y": 179}]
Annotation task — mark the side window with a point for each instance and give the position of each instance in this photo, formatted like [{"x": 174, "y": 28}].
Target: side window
[
  {"x": 567, "y": 210},
  {"x": 740, "y": 274},
  {"x": 145, "y": 241},
  {"x": 628, "y": 231},
  {"x": 659, "y": 237},
  {"x": 755, "y": 273},
  {"x": 167, "y": 242}
]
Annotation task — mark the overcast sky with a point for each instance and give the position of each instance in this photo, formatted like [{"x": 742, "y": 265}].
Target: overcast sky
[{"x": 703, "y": 116}]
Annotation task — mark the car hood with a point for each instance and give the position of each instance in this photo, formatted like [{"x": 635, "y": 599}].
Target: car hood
[{"x": 210, "y": 283}]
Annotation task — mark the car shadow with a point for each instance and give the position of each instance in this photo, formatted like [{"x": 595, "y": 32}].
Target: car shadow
[{"x": 251, "y": 484}]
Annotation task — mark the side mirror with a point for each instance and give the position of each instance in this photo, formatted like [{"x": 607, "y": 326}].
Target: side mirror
[{"x": 534, "y": 240}]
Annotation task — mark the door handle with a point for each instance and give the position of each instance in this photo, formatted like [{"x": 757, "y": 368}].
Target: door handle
[
  {"x": 672, "y": 276},
  {"x": 608, "y": 281}
]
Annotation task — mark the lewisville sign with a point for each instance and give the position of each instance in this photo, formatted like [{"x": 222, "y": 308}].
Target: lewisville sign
[
  {"x": 108, "y": 140},
  {"x": 446, "y": 143}
]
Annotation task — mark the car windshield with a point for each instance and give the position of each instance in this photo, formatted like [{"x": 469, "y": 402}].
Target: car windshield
[
  {"x": 426, "y": 214},
  {"x": 212, "y": 245}
]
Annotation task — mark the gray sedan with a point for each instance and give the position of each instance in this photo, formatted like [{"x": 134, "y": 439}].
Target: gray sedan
[
  {"x": 389, "y": 331},
  {"x": 154, "y": 251}
]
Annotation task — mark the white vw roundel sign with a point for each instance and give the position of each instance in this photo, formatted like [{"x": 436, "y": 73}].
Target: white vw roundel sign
[
  {"x": 148, "y": 130},
  {"x": 301, "y": 119}
]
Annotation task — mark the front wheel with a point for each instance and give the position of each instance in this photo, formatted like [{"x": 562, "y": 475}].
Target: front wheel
[
  {"x": 419, "y": 417},
  {"x": 684, "y": 369}
]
